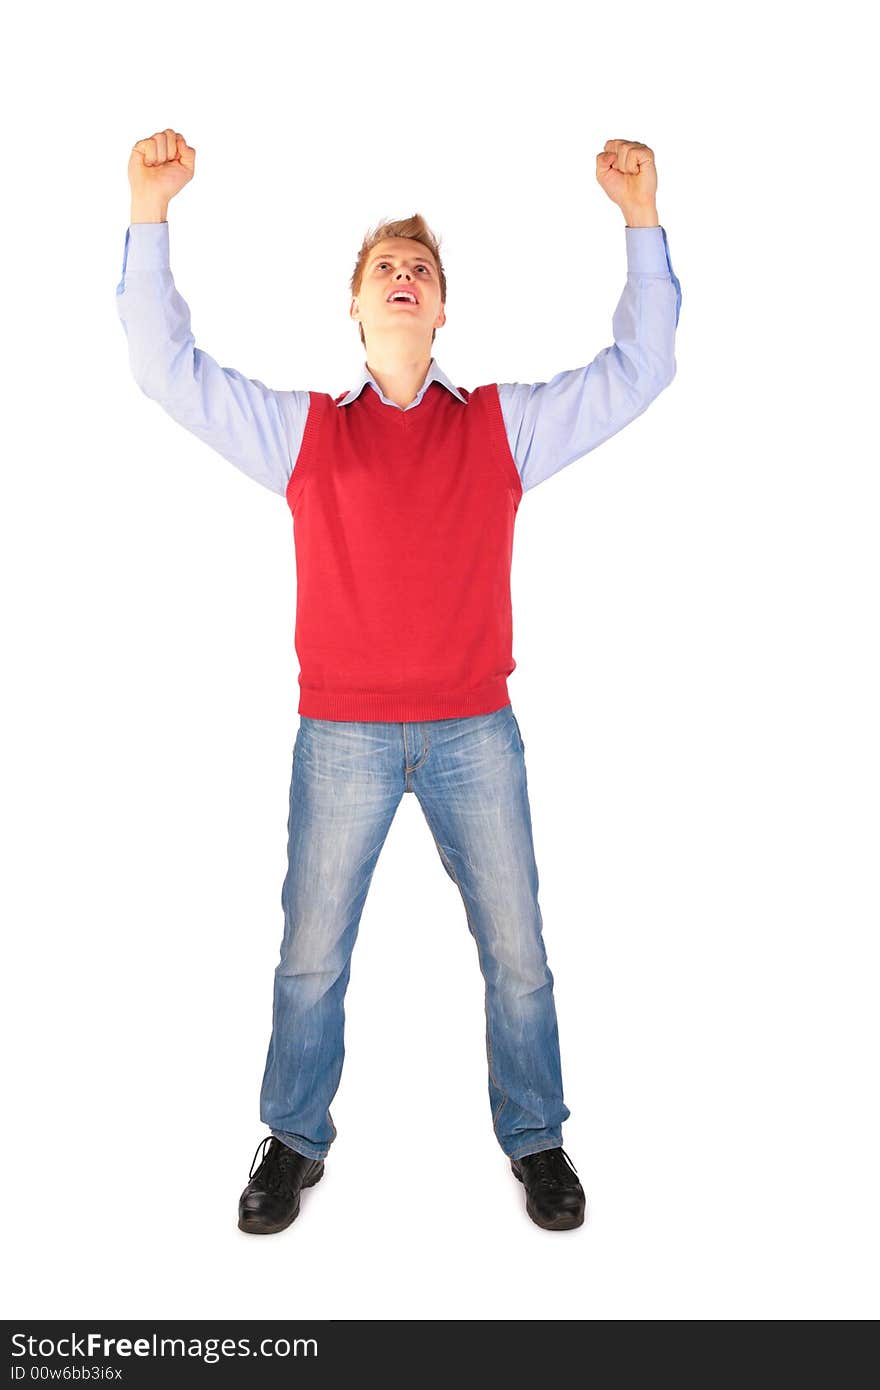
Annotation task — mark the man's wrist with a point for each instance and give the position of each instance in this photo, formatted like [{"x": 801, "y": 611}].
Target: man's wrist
[
  {"x": 641, "y": 217},
  {"x": 149, "y": 212}
]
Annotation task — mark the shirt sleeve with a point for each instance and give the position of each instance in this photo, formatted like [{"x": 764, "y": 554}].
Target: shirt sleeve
[
  {"x": 258, "y": 430},
  {"x": 551, "y": 423}
]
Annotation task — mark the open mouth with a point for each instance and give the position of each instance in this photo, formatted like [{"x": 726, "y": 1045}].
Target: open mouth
[{"x": 402, "y": 297}]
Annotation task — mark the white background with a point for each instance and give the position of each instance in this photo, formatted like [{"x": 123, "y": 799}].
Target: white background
[{"x": 695, "y": 630}]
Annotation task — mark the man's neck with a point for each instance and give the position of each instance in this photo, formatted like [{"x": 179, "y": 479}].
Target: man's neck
[{"x": 400, "y": 382}]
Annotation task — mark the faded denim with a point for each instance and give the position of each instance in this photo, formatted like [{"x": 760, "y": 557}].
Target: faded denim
[{"x": 347, "y": 781}]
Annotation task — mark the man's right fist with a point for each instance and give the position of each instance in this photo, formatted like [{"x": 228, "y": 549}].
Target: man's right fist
[{"x": 160, "y": 166}]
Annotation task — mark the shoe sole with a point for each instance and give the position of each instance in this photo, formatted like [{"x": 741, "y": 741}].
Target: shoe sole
[
  {"x": 565, "y": 1221},
  {"x": 264, "y": 1230}
]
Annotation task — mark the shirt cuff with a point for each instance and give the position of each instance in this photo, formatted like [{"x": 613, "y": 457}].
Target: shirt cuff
[
  {"x": 146, "y": 247},
  {"x": 646, "y": 250}
]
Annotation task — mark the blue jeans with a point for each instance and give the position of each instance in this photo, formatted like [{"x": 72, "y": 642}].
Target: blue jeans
[{"x": 347, "y": 781}]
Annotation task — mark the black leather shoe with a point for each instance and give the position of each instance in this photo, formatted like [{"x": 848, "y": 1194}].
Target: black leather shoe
[
  {"x": 271, "y": 1199},
  {"x": 554, "y": 1197}
]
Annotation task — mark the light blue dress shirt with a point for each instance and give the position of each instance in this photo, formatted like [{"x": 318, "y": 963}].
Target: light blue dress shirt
[{"x": 259, "y": 430}]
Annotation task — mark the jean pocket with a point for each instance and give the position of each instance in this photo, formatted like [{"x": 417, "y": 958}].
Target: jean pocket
[{"x": 522, "y": 745}]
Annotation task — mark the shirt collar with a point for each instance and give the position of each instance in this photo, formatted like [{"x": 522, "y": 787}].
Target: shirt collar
[{"x": 434, "y": 374}]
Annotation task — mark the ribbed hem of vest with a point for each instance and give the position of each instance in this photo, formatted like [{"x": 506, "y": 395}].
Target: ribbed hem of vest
[{"x": 316, "y": 704}]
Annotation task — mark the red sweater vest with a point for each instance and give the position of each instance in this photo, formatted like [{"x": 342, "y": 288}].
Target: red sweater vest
[{"x": 403, "y": 526}]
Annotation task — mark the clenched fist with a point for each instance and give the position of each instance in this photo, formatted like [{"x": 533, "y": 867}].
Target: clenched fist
[
  {"x": 159, "y": 167},
  {"x": 626, "y": 171}
]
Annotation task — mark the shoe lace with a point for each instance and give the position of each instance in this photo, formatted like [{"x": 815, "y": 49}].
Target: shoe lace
[
  {"x": 550, "y": 1169},
  {"x": 275, "y": 1169}
]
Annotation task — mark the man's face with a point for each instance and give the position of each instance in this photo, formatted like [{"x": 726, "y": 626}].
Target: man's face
[{"x": 407, "y": 269}]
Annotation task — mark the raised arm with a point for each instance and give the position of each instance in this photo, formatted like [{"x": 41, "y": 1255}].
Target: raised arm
[
  {"x": 255, "y": 428},
  {"x": 551, "y": 424}
]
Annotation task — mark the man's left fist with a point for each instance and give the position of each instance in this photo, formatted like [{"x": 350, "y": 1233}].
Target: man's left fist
[{"x": 626, "y": 171}]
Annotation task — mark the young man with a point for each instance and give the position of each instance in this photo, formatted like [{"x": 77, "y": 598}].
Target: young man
[{"x": 404, "y": 493}]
